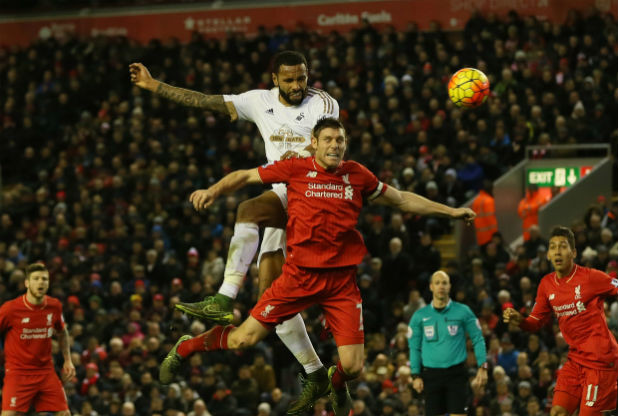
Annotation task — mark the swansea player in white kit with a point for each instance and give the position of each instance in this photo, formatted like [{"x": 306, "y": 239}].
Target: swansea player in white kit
[{"x": 285, "y": 116}]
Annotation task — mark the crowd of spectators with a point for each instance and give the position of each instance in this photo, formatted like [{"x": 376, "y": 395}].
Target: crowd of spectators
[{"x": 97, "y": 174}]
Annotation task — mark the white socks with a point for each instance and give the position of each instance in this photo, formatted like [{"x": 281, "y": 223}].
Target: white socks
[
  {"x": 243, "y": 246},
  {"x": 293, "y": 334}
]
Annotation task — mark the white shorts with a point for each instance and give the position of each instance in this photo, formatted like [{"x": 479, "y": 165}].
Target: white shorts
[{"x": 274, "y": 238}]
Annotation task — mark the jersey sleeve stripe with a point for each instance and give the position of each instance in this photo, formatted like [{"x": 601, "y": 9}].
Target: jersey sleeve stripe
[
  {"x": 377, "y": 192},
  {"x": 328, "y": 105}
]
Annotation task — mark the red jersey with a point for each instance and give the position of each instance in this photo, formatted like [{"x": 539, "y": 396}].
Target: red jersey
[
  {"x": 28, "y": 331},
  {"x": 577, "y": 302},
  {"x": 323, "y": 210}
]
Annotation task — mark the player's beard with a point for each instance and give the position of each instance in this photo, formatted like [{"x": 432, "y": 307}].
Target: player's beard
[
  {"x": 37, "y": 294},
  {"x": 286, "y": 97}
]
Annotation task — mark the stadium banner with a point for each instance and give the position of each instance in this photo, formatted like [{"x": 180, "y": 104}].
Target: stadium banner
[{"x": 144, "y": 25}]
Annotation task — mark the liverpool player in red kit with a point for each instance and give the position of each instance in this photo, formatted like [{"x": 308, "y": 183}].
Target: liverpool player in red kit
[
  {"x": 325, "y": 197},
  {"x": 28, "y": 323},
  {"x": 575, "y": 295}
]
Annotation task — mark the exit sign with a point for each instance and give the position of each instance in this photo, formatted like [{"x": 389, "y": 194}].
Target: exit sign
[{"x": 560, "y": 177}]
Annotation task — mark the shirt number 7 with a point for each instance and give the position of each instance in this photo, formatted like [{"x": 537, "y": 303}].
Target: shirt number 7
[{"x": 359, "y": 306}]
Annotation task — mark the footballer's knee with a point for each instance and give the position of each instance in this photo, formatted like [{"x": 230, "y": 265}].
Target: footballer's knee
[
  {"x": 245, "y": 212},
  {"x": 265, "y": 210},
  {"x": 352, "y": 367},
  {"x": 558, "y": 411}
]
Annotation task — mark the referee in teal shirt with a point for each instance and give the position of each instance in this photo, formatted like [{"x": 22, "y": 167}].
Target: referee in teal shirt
[{"x": 438, "y": 350}]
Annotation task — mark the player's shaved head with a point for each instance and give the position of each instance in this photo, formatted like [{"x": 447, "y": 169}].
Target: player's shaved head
[
  {"x": 439, "y": 274},
  {"x": 288, "y": 58}
]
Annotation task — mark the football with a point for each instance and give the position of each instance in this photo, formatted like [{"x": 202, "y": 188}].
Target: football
[{"x": 468, "y": 87}]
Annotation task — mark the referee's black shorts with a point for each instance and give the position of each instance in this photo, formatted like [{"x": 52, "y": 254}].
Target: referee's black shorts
[{"x": 446, "y": 390}]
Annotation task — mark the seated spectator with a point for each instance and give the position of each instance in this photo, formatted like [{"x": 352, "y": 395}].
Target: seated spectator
[
  {"x": 524, "y": 393},
  {"x": 280, "y": 402},
  {"x": 245, "y": 389}
]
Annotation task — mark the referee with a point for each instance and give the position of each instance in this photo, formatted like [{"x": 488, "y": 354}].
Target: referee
[{"x": 438, "y": 348}]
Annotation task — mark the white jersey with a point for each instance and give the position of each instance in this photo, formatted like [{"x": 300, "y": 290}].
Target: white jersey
[{"x": 283, "y": 128}]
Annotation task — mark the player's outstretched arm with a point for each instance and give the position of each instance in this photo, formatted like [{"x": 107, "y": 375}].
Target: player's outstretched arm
[
  {"x": 203, "y": 198},
  {"x": 141, "y": 77},
  {"x": 411, "y": 202},
  {"x": 539, "y": 317},
  {"x": 68, "y": 369}
]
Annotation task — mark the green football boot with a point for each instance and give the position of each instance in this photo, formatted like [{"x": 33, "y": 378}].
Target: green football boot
[
  {"x": 340, "y": 400},
  {"x": 217, "y": 309},
  {"x": 315, "y": 386},
  {"x": 171, "y": 363}
]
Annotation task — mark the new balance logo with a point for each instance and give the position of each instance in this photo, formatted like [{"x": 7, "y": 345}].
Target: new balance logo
[
  {"x": 552, "y": 296},
  {"x": 25, "y": 320},
  {"x": 270, "y": 111},
  {"x": 312, "y": 174}
]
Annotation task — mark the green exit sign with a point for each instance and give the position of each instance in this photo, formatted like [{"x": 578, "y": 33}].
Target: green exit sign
[{"x": 562, "y": 176}]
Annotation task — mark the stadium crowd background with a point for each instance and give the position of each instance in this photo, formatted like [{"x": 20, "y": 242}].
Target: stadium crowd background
[{"x": 97, "y": 174}]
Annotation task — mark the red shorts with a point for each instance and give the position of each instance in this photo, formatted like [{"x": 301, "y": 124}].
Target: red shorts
[
  {"x": 298, "y": 288},
  {"x": 44, "y": 391},
  {"x": 590, "y": 390}
]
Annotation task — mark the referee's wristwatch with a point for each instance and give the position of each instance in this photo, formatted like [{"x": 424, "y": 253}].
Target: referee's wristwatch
[
  {"x": 485, "y": 366},
  {"x": 415, "y": 376}
]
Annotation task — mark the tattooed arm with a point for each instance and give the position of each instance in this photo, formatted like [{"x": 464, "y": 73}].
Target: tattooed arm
[{"x": 141, "y": 77}]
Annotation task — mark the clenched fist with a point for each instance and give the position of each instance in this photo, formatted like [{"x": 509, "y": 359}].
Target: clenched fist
[{"x": 141, "y": 77}]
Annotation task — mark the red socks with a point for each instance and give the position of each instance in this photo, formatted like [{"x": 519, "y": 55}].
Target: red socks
[
  {"x": 213, "y": 339},
  {"x": 339, "y": 378}
]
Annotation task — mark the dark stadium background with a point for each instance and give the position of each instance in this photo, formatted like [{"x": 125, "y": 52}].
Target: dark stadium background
[{"x": 96, "y": 174}]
